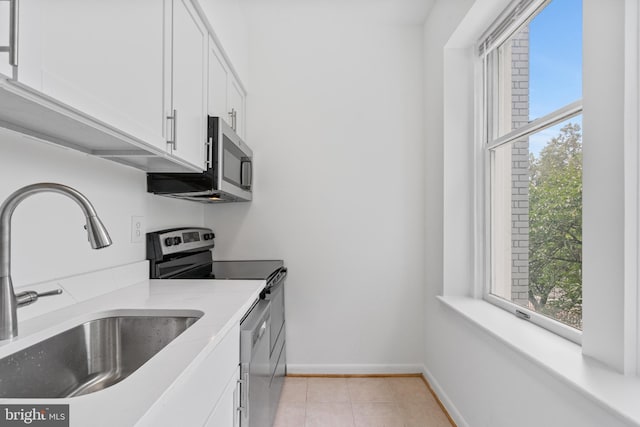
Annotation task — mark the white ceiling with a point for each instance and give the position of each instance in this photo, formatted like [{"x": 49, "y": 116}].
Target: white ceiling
[{"x": 401, "y": 11}]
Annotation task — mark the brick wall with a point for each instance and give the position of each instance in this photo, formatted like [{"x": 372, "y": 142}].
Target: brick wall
[{"x": 520, "y": 170}]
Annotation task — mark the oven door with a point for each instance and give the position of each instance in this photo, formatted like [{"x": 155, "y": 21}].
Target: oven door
[{"x": 195, "y": 266}]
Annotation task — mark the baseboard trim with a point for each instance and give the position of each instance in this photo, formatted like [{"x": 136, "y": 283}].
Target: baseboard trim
[
  {"x": 353, "y": 370},
  {"x": 354, "y": 375},
  {"x": 455, "y": 417}
]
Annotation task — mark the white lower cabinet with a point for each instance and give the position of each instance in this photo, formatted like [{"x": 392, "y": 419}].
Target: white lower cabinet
[
  {"x": 202, "y": 391},
  {"x": 225, "y": 414}
]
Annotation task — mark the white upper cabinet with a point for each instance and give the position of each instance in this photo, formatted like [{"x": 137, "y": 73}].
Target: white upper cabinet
[
  {"x": 6, "y": 29},
  {"x": 131, "y": 81},
  {"x": 102, "y": 58},
  {"x": 236, "y": 106},
  {"x": 227, "y": 22},
  {"x": 218, "y": 81},
  {"x": 188, "y": 67},
  {"x": 226, "y": 97}
]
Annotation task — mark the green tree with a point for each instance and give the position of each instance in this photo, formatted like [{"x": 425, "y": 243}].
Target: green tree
[{"x": 555, "y": 227}]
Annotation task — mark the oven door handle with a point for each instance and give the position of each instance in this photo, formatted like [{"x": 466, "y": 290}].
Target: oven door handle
[{"x": 274, "y": 281}]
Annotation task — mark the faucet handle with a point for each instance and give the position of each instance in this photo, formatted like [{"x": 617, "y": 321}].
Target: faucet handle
[{"x": 29, "y": 297}]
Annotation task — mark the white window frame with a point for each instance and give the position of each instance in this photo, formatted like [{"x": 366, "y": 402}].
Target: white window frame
[{"x": 515, "y": 17}]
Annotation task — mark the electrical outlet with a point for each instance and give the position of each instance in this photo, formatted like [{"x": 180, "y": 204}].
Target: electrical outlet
[{"x": 137, "y": 229}]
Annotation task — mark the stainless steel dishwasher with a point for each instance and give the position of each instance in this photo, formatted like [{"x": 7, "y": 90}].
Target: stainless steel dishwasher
[{"x": 255, "y": 372}]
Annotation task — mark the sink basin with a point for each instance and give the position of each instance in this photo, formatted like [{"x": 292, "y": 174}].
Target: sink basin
[{"x": 89, "y": 357}]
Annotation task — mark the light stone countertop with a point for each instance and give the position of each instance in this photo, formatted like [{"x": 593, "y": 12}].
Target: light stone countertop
[{"x": 223, "y": 303}]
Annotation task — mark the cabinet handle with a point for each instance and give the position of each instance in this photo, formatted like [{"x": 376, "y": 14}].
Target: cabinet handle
[
  {"x": 12, "y": 49},
  {"x": 13, "y": 37},
  {"x": 233, "y": 116},
  {"x": 244, "y": 393},
  {"x": 174, "y": 129}
]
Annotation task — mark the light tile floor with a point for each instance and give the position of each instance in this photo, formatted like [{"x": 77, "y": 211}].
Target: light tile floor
[{"x": 358, "y": 402}]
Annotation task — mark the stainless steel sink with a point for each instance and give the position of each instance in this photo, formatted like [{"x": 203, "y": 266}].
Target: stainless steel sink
[{"x": 89, "y": 357}]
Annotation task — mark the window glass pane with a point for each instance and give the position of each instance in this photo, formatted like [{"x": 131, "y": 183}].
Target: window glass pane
[
  {"x": 555, "y": 57},
  {"x": 536, "y": 222},
  {"x": 538, "y": 69}
]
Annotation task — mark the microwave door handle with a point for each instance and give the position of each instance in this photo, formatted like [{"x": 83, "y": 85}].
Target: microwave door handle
[{"x": 246, "y": 176}]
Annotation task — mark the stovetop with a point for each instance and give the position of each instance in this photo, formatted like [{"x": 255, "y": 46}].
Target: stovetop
[
  {"x": 185, "y": 253},
  {"x": 245, "y": 270}
]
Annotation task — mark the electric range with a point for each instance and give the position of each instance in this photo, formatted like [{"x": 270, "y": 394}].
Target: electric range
[{"x": 185, "y": 253}]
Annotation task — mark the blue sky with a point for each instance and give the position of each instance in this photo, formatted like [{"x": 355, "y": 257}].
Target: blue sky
[{"x": 555, "y": 61}]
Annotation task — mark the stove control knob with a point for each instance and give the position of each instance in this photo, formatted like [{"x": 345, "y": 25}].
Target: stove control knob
[
  {"x": 208, "y": 236},
  {"x": 177, "y": 240},
  {"x": 168, "y": 241}
]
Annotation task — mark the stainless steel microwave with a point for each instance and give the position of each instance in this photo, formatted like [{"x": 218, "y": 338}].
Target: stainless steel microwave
[{"x": 228, "y": 177}]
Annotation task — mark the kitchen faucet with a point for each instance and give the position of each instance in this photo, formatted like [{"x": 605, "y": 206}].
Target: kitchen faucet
[{"x": 9, "y": 301}]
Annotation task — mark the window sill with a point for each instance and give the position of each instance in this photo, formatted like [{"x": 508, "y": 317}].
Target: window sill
[{"x": 563, "y": 359}]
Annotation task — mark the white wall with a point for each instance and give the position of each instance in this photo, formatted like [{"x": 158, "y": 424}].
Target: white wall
[
  {"x": 483, "y": 381},
  {"x": 48, "y": 238},
  {"x": 336, "y": 111},
  {"x": 604, "y": 192}
]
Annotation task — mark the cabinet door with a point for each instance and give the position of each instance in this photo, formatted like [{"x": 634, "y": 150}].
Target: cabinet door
[
  {"x": 104, "y": 58},
  {"x": 28, "y": 40},
  {"x": 237, "y": 105},
  {"x": 225, "y": 414},
  {"x": 198, "y": 392},
  {"x": 218, "y": 80},
  {"x": 6, "y": 69},
  {"x": 190, "y": 40}
]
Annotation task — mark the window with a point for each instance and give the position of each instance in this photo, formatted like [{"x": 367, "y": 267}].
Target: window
[{"x": 532, "y": 127}]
